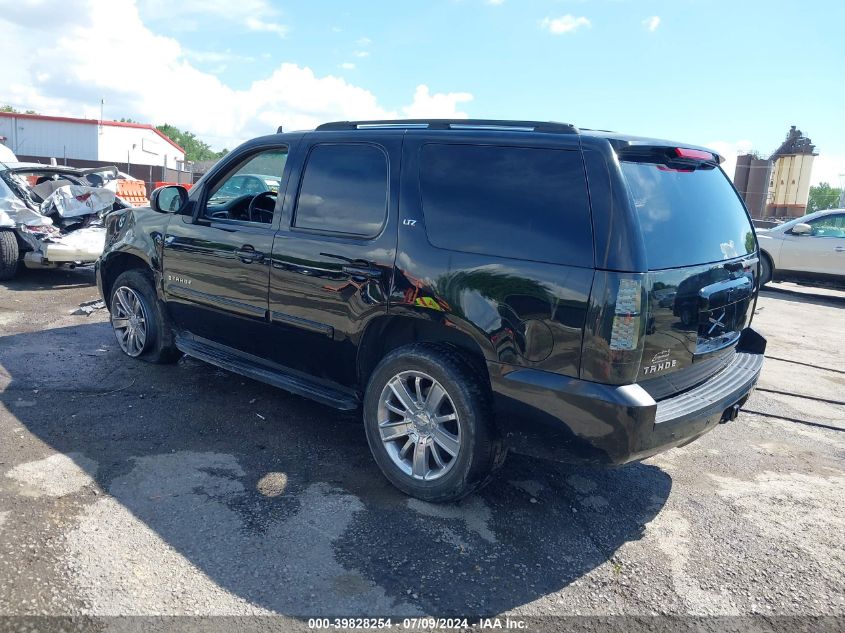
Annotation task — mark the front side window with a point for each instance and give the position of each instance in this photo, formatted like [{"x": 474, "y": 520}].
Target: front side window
[
  {"x": 344, "y": 190},
  {"x": 248, "y": 193},
  {"x": 829, "y": 226}
]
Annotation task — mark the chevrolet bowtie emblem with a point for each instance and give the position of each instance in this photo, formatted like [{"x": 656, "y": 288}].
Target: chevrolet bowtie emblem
[{"x": 717, "y": 323}]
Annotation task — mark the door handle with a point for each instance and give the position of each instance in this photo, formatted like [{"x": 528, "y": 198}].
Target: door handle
[
  {"x": 247, "y": 254},
  {"x": 840, "y": 249},
  {"x": 362, "y": 272}
]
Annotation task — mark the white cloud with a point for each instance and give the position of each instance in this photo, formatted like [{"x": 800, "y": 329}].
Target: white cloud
[
  {"x": 216, "y": 57},
  {"x": 436, "y": 106},
  {"x": 564, "y": 24},
  {"x": 652, "y": 23},
  {"x": 256, "y": 24},
  {"x": 254, "y": 15},
  {"x": 496, "y": 2},
  {"x": 361, "y": 54},
  {"x": 364, "y": 42},
  {"x": 347, "y": 66},
  {"x": 829, "y": 168},
  {"x": 65, "y": 75}
]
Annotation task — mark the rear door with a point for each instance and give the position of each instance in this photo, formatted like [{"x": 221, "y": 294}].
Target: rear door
[
  {"x": 333, "y": 257},
  {"x": 701, "y": 255}
]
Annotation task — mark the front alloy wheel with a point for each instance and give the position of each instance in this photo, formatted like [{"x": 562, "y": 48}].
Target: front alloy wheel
[
  {"x": 129, "y": 321},
  {"x": 418, "y": 425}
]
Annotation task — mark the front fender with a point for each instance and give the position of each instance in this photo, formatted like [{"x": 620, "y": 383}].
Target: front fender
[
  {"x": 770, "y": 245},
  {"x": 134, "y": 238}
]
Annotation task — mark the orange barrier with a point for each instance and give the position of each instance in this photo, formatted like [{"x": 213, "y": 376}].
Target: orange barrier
[{"x": 133, "y": 191}]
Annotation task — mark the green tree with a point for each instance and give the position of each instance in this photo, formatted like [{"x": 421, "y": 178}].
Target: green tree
[
  {"x": 823, "y": 197},
  {"x": 8, "y": 108},
  {"x": 195, "y": 149}
]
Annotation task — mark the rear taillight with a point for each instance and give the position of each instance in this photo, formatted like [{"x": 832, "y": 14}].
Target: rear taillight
[
  {"x": 616, "y": 323},
  {"x": 625, "y": 332}
]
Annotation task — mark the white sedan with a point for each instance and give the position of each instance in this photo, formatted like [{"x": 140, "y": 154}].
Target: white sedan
[{"x": 807, "y": 249}]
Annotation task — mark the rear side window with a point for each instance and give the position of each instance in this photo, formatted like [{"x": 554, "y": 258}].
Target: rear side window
[
  {"x": 515, "y": 202},
  {"x": 688, "y": 216},
  {"x": 344, "y": 190}
]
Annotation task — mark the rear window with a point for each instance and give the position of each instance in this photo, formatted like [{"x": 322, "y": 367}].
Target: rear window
[
  {"x": 344, "y": 190},
  {"x": 688, "y": 216},
  {"x": 515, "y": 202}
]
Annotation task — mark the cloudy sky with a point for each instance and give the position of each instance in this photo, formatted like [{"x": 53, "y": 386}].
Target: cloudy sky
[{"x": 730, "y": 74}]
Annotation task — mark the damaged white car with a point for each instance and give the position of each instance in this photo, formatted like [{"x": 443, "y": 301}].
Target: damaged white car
[{"x": 52, "y": 216}]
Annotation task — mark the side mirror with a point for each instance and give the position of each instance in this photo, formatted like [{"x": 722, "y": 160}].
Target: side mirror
[
  {"x": 169, "y": 199},
  {"x": 802, "y": 229}
]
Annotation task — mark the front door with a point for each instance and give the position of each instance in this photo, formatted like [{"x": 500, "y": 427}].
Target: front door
[
  {"x": 334, "y": 253},
  {"x": 820, "y": 252},
  {"x": 217, "y": 262}
]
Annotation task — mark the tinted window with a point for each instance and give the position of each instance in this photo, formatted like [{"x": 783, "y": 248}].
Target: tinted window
[
  {"x": 344, "y": 190},
  {"x": 688, "y": 216},
  {"x": 507, "y": 201}
]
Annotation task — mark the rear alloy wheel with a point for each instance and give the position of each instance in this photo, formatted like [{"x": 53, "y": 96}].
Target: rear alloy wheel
[
  {"x": 428, "y": 419},
  {"x": 419, "y": 426}
]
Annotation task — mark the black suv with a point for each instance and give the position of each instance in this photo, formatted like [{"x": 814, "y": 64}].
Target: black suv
[{"x": 471, "y": 286}]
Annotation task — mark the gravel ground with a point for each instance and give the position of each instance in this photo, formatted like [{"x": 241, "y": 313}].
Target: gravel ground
[{"x": 130, "y": 489}]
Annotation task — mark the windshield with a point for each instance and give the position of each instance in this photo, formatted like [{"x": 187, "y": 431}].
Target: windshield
[{"x": 688, "y": 216}]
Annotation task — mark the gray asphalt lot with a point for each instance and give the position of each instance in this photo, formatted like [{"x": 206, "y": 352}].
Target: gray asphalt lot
[{"x": 131, "y": 489}]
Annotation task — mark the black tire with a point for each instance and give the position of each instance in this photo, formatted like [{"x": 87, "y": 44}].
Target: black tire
[
  {"x": 159, "y": 346},
  {"x": 481, "y": 449},
  {"x": 9, "y": 255},
  {"x": 765, "y": 269}
]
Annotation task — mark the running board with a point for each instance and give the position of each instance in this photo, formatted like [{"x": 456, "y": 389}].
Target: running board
[{"x": 271, "y": 374}]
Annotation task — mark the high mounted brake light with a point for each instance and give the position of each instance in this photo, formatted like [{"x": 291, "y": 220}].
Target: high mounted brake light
[{"x": 695, "y": 154}]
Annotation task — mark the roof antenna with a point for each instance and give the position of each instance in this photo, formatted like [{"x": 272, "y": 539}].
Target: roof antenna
[{"x": 279, "y": 130}]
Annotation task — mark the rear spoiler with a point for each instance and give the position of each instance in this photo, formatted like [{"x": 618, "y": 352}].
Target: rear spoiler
[
  {"x": 658, "y": 148},
  {"x": 670, "y": 155}
]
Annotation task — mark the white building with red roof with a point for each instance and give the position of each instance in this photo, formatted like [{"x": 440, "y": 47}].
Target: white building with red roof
[{"x": 36, "y": 136}]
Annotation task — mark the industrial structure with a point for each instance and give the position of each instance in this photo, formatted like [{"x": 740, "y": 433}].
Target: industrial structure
[
  {"x": 778, "y": 186},
  {"x": 752, "y": 178},
  {"x": 137, "y": 148}
]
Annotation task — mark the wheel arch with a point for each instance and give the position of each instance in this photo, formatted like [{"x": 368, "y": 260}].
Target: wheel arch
[
  {"x": 117, "y": 263},
  {"x": 389, "y": 332}
]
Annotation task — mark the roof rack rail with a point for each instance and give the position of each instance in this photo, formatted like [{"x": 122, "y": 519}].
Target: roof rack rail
[{"x": 453, "y": 124}]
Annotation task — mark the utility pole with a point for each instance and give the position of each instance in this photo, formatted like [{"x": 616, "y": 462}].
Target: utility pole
[{"x": 841, "y": 191}]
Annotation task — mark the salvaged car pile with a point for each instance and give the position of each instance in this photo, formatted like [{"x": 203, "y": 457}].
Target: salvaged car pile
[{"x": 52, "y": 216}]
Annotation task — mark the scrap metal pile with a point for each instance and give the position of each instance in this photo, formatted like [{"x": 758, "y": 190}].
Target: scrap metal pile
[{"x": 56, "y": 212}]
